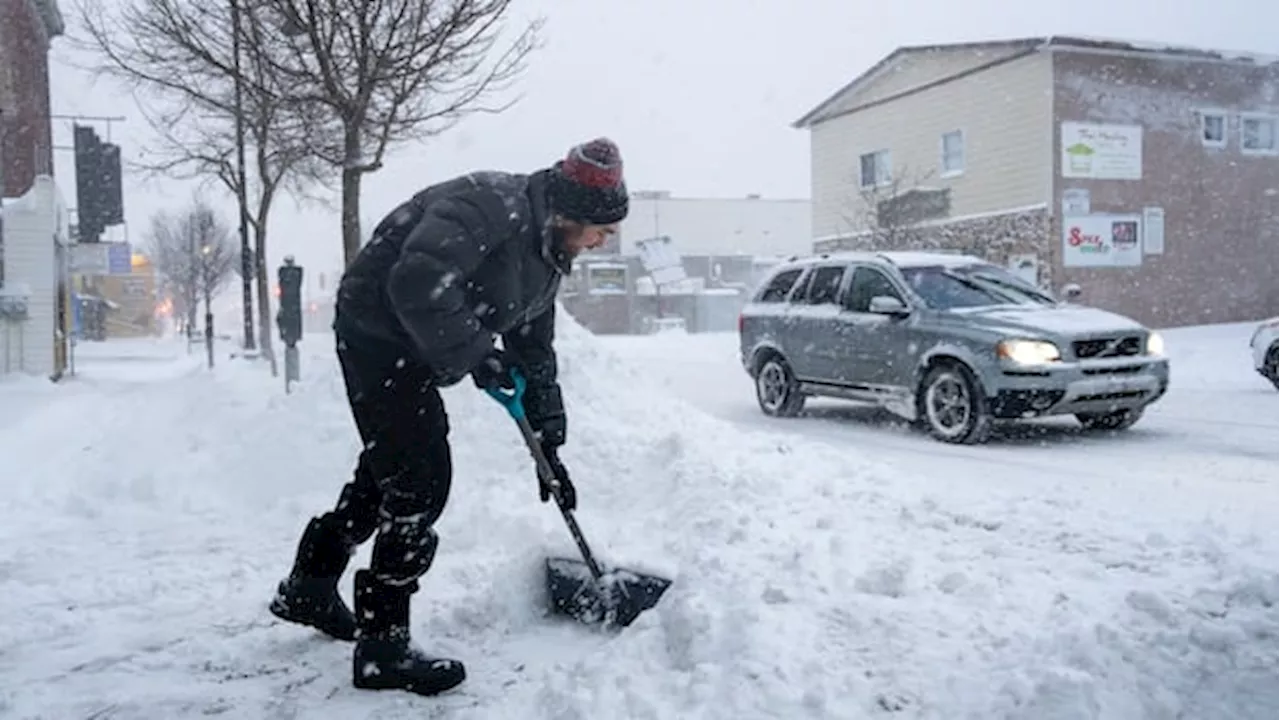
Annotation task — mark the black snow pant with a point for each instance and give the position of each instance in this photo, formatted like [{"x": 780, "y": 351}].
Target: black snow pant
[{"x": 401, "y": 482}]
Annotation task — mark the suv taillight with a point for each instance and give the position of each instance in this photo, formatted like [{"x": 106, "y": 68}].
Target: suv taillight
[{"x": 741, "y": 322}]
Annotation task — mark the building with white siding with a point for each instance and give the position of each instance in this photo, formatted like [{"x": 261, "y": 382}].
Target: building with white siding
[
  {"x": 33, "y": 340},
  {"x": 33, "y": 222},
  {"x": 1143, "y": 172}
]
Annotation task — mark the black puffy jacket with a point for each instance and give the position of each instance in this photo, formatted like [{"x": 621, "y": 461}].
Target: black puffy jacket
[{"x": 456, "y": 265}]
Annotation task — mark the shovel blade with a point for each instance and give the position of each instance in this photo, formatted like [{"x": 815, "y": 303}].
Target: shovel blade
[{"x": 615, "y": 600}]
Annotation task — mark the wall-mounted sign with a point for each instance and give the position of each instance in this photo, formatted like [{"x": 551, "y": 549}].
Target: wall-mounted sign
[
  {"x": 1101, "y": 241},
  {"x": 1101, "y": 152},
  {"x": 1153, "y": 231},
  {"x": 1075, "y": 201},
  {"x": 607, "y": 279},
  {"x": 102, "y": 258}
]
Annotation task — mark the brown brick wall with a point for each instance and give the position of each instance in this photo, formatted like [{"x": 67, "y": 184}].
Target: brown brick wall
[
  {"x": 1221, "y": 244},
  {"x": 26, "y": 147},
  {"x": 994, "y": 238}
]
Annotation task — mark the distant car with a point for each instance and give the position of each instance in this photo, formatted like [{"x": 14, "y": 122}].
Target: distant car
[
  {"x": 1264, "y": 346},
  {"x": 950, "y": 342}
]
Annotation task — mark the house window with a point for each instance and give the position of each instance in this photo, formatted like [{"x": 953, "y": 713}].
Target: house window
[
  {"x": 952, "y": 153},
  {"x": 1258, "y": 134},
  {"x": 1213, "y": 129},
  {"x": 875, "y": 169}
]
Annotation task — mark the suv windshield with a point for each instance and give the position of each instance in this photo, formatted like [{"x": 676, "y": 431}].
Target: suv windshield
[{"x": 945, "y": 288}]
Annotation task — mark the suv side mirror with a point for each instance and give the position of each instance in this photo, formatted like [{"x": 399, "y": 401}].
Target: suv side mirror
[
  {"x": 887, "y": 305},
  {"x": 1072, "y": 292}
]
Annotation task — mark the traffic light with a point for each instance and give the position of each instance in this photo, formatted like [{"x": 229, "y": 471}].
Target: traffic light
[
  {"x": 290, "y": 316},
  {"x": 99, "y": 197}
]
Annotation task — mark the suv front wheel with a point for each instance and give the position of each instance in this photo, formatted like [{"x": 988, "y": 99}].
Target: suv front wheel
[
  {"x": 1271, "y": 366},
  {"x": 777, "y": 390},
  {"x": 952, "y": 406}
]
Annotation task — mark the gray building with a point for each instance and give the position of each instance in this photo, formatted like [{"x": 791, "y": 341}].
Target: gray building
[
  {"x": 615, "y": 294},
  {"x": 724, "y": 244},
  {"x": 751, "y": 225}
]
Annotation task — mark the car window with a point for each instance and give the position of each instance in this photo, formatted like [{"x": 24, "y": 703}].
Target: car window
[
  {"x": 944, "y": 288},
  {"x": 824, "y": 288},
  {"x": 868, "y": 283},
  {"x": 801, "y": 291},
  {"x": 778, "y": 287}
]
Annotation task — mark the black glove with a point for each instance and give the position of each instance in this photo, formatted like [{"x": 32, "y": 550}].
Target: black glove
[
  {"x": 568, "y": 495},
  {"x": 494, "y": 372}
]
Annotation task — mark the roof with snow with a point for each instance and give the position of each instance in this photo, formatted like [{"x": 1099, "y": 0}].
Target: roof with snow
[{"x": 831, "y": 106}]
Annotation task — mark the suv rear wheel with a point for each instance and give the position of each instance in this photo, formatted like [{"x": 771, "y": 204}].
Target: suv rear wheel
[
  {"x": 952, "y": 406},
  {"x": 777, "y": 390}
]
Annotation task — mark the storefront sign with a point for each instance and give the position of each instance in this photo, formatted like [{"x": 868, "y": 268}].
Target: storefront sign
[{"x": 1101, "y": 241}]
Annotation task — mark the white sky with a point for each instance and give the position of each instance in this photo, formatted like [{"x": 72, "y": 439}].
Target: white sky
[{"x": 699, "y": 94}]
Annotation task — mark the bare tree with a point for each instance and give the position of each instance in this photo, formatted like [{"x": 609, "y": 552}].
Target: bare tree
[
  {"x": 177, "y": 56},
  {"x": 887, "y": 215},
  {"x": 390, "y": 71},
  {"x": 195, "y": 258}
]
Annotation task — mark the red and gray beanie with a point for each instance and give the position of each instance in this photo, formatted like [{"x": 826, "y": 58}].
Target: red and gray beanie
[{"x": 587, "y": 186}]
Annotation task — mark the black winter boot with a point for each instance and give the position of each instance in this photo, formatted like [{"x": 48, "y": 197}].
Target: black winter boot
[
  {"x": 309, "y": 596},
  {"x": 385, "y": 658}
]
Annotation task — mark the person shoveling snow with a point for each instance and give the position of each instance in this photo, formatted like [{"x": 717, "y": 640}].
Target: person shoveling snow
[{"x": 461, "y": 262}]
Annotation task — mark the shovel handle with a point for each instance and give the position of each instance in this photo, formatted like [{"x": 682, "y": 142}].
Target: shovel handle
[
  {"x": 513, "y": 401},
  {"x": 547, "y": 476}
]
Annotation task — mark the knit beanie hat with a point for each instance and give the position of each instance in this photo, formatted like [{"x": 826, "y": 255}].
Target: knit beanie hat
[{"x": 587, "y": 186}]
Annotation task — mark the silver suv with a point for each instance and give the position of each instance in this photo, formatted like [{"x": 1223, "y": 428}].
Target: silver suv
[{"x": 950, "y": 342}]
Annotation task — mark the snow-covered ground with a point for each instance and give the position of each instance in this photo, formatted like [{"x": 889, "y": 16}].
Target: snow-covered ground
[{"x": 832, "y": 566}]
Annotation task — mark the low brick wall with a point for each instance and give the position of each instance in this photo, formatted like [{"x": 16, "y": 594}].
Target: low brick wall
[{"x": 994, "y": 238}]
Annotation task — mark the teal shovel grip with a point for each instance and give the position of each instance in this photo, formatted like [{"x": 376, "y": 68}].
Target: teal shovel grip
[{"x": 513, "y": 399}]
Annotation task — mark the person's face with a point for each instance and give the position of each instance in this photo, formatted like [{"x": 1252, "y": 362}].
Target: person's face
[{"x": 578, "y": 238}]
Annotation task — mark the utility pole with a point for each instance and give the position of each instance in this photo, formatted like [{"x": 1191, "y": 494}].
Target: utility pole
[
  {"x": 247, "y": 264},
  {"x": 259, "y": 252}
]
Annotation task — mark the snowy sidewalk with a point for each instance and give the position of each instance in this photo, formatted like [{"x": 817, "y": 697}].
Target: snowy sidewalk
[
  {"x": 137, "y": 359},
  {"x": 107, "y": 367}
]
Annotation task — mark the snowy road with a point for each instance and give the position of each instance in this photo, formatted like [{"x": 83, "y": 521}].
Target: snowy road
[
  {"x": 834, "y": 566},
  {"x": 1216, "y": 429}
]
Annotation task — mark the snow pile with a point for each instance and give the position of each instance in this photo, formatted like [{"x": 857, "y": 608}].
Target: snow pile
[{"x": 809, "y": 581}]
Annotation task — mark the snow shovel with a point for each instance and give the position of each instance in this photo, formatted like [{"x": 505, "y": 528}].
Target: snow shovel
[{"x": 581, "y": 589}]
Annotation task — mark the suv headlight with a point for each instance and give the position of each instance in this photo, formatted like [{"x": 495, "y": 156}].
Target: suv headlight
[
  {"x": 1028, "y": 352},
  {"x": 1155, "y": 344}
]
